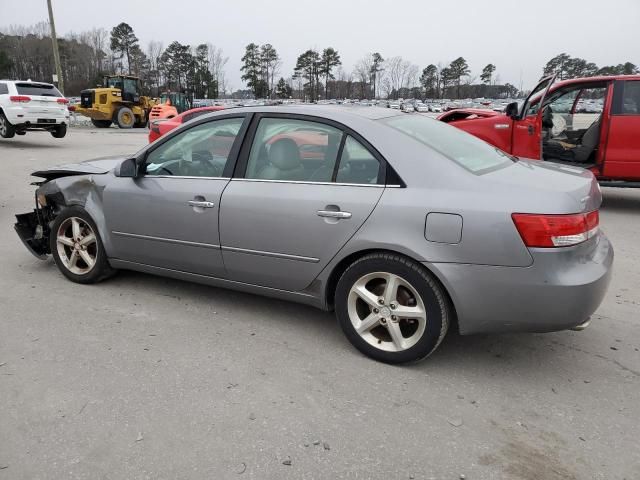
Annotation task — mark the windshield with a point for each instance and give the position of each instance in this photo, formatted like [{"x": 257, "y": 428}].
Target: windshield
[{"x": 464, "y": 149}]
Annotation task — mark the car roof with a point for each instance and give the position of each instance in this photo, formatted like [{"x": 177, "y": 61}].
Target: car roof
[
  {"x": 601, "y": 78},
  {"x": 338, "y": 113}
]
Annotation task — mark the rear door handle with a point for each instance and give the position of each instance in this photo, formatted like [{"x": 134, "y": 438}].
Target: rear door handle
[
  {"x": 333, "y": 214},
  {"x": 201, "y": 204}
]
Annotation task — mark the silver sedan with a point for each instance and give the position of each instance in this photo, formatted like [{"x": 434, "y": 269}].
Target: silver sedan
[{"x": 405, "y": 226}]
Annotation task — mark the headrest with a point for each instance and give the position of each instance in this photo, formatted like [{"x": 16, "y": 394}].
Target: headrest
[{"x": 284, "y": 154}]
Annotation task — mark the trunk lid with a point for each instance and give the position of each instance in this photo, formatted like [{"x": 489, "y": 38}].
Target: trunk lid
[{"x": 550, "y": 187}]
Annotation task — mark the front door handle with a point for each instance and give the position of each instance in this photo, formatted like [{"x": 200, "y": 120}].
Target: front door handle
[
  {"x": 201, "y": 203},
  {"x": 531, "y": 130},
  {"x": 333, "y": 214}
]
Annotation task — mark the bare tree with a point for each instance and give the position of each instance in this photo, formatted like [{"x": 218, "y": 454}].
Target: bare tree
[
  {"x": 217, "y": 61},
  {"x": 154, "y": 52},
  {"x": 362, "y": 72}
]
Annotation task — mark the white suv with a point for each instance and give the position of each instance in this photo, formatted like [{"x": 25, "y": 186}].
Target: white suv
[{"x": 27, "y": 105}]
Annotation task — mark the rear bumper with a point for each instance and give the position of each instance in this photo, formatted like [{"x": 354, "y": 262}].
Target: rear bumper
[
  {"x": 560, "y": 290},
  {"x": 24, "y": 118}
]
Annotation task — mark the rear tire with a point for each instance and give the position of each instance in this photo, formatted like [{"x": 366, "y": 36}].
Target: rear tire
[
  {"x": 76, "y": 247},
  {"x": 6, "y": 129},
  {"x": 125, "y": 118},
  {"x": 101, "y": 123},
  {"x": 59, "y": 132},
  {"x": 391, "y": 308}
]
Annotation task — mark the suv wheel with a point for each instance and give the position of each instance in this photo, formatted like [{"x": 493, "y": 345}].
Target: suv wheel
[
  {"x": 6, "y": 129},
  {"x": 77, "y": 248},
  {"x": 59, "y": 132},
  {"x": 391, "y": 308}
]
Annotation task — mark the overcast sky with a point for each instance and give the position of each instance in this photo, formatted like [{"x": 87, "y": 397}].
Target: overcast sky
[{"x": 518, "y": 37}]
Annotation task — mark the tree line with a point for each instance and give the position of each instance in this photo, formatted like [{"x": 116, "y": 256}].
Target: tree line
[{"x": 25, "y": 52}]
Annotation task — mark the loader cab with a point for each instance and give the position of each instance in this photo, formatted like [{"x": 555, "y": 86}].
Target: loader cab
[
  {"x": 130, "y": 87},
  {"x": 179, "y": 100}
]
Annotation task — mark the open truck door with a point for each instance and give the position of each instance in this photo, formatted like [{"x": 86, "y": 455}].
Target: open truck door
[{"x": 526, "y": 137}]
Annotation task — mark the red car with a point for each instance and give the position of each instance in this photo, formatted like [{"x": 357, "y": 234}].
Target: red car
[
  {"x": 158, "y": 128},
  {"x": 589, "y": 122}
]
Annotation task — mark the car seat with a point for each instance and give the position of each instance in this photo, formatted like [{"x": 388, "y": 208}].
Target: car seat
[{"x": 284, "y": 162}]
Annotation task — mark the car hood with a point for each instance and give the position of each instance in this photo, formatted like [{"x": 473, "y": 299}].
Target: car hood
[
  {"x": 97, "y": 166},
  {"x": 565, "y": 187}
]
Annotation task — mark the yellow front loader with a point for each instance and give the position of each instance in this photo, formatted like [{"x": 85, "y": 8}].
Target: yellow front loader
[{"x": 117, "y": 101}]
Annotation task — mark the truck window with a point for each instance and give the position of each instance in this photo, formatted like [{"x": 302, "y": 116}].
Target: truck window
[{"x": 631, "y": 98}]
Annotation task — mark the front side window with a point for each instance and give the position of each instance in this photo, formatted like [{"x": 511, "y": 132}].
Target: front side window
[
  {"x": 201, "y": 151},
  {"x": 568, "y": 113},
  {"x": 463, "y": 148},
  {"x": 294, "y": 150}
]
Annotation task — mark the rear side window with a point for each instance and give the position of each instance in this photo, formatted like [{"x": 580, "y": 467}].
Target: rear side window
[
  {"x": 626, "y": 99},
  {"x": 4, "y": 89},
  {"x": 41, "y": 89},
  {"x": 293, "y": 150},
  {"x": 357, "y": 165},
  {"x": 463, "y": 148}
]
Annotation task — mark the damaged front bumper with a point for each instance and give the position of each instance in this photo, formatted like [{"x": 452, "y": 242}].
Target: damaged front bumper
[{"x": 31, "y": 231}]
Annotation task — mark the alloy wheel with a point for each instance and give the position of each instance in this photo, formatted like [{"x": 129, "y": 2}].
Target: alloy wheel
[
  {"x": 387, "y": 311},
  {"x": 3, "y": 126},
  {"x": 77, "y": 245}
]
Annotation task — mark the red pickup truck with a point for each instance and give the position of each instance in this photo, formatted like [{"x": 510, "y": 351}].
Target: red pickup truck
[{"x": 590, "y": 122}]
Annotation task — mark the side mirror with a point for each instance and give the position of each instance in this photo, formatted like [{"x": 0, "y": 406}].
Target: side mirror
[
  {"x": 512, "y": 110},
  {"x": 127, "y": 169}
]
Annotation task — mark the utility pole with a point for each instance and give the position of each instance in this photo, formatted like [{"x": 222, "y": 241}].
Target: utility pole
[{"x": 56, "y": 54}]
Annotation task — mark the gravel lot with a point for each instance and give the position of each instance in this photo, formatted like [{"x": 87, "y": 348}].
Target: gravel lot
[{"x": 144, "y": 377}]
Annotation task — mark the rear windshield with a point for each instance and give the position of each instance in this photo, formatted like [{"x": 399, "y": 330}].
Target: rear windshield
[
  {"x": 463, "y": 148},
  {"x": 41, "y": 89}
]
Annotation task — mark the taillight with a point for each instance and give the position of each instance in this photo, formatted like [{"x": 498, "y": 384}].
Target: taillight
[
  {"x": 20, "y": 98},
  {"x": 63, "y": 101},
  {"x": 539, "y": 230}
]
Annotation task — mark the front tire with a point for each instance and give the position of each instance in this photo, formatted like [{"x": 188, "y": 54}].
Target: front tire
[
  {"x": 77, "y": 248},
  {"x": 391, "y": 308},
  {"x": 125, "y": 118},
  {"x": 6, "y": 129}
]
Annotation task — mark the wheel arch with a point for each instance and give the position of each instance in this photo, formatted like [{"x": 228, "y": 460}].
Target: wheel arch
[
  {"x": 337, "y": 271},
  {"x": 76, "y": 191}
]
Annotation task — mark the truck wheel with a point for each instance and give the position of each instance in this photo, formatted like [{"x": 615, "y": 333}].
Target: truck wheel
[
  {"x": 59, "y": 132},
  {"x": 6, "y": 129},
  {"x": 141, "y": 124},
  {"x": 125, "y": 118},
  {"x": 101, "y": 123}
]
